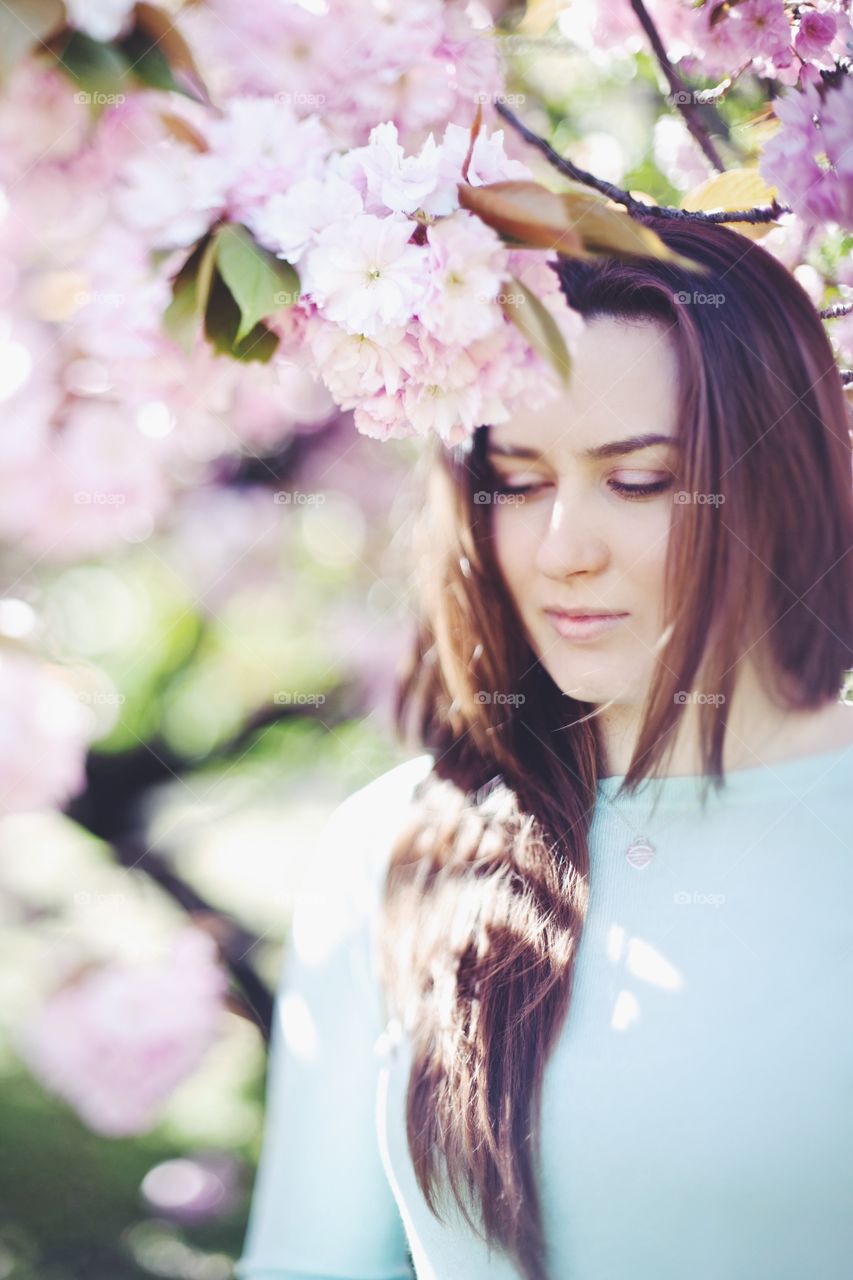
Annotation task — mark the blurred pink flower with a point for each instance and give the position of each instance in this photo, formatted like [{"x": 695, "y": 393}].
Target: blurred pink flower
[
  {"x": 116, "y": 1042},
  {"x": 815, "y": 34},
  {"x": 353, "y": 62},
  {"x": 756, "y": 32},
  {"x": 44, "y": 735},
  {"x": 810, "y": 157}
]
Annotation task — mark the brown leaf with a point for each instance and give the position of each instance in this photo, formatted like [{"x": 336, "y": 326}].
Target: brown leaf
[
  {"x": 475, "y": 129},
  {"x": 734, "y": 189},
  {"x": 522, "y": 212},
  {"x": 158, "y": 26},
  {"x": 537, "y": 324},
  {"x": 183, "y": 131},
  {"x": 606, "y": 228},
  {"x": 576, "y": 223}
]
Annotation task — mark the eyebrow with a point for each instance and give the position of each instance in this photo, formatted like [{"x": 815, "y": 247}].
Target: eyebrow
[{"x": 613, "y": 448}]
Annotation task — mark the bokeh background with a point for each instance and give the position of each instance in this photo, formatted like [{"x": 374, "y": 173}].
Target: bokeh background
[{"x": 207, "y": 585}]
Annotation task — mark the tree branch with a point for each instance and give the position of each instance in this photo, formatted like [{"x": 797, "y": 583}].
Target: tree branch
[
  {"x": 680, "y": 96},
  {"x": 840, "y": 309},
  {"x": 233, "y": 941},
  {"x": 768, "y": 213}
]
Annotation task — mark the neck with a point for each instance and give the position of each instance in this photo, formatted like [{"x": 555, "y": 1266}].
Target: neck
[{"x": 758, "y": 732}]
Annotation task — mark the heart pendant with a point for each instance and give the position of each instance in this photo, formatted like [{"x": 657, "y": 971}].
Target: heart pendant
[{"x": 640, "y": 853}]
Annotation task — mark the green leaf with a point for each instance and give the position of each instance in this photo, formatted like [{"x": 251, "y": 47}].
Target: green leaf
[
  {"x": 258, "y": 345},
  {"x": 538, "y": 326},
  {"x": 190, "y": 290},
  {"x": 94, "y": 67},
  {"x": 148, "y": 62},
  {"x": 222, "y": 323},
  {"x": 259, "y": 282},
  {"x": 155, "y": 26}
]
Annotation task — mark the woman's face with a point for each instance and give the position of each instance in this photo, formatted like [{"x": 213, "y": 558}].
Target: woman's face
[{"x": 588, "y": 529}]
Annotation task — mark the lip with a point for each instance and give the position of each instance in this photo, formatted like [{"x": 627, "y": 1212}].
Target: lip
[{"x": 587, "y": 626}]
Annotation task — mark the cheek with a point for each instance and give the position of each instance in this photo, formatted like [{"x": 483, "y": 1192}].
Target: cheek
[{"x": 514, "y": 544}]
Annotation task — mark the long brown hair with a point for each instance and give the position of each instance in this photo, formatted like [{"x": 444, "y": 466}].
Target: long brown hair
[{"x": 487, "y": 887}]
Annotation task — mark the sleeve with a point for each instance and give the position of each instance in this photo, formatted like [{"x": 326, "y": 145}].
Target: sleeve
[{"x": 322, "y": 1207}]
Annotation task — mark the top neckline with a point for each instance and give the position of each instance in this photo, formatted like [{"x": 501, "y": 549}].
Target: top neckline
[{"x": 758, "y": 780}]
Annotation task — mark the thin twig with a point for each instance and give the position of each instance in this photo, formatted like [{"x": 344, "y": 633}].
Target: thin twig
[
  {"x": 767, "y": 213},
  {"x": 840, "y": 309},
  {"x": 680, "y": 95}
]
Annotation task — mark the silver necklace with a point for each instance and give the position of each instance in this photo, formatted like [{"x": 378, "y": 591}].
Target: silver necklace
[{"x": 640, "y": 852}]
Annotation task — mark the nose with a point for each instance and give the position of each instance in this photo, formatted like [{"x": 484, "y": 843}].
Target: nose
[{"x": 571, "y": 543}]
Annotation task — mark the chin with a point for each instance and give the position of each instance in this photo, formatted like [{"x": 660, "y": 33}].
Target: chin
[{"x": 577, "y": 680}]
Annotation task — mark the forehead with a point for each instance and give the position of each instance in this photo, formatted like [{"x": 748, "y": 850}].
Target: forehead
[{"x": 624, "y": 382}]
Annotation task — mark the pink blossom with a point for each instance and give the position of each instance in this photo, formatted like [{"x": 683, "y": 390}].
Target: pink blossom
[
  {"x": 756, "y": 32},
  {"x": 386, "y": 177},
  {"x": 443, "y": 394},
  {"x": 354, "y": 64},
  {"x": 467, "y": 264},
  {"x": 489, "y": 163},
  {"x": 452, "y": 412},
  {"x": 260, "y": 147},
  {"x": 383, "y": 417},
  {"x": 44, "y": 735},
  {"x": 167, "y": 195},
  {"x": 355, "y": 367},
  {"x": 810, "y": 157},
  {"x": 815, "y": 33},
  {"x": 116, "y": 1042},
  {"x": 365, "y": 275},
  {"x": 57, "y": 122},
  {"x": 836, "y": 127},
  {"x": 289, "y": 221}
]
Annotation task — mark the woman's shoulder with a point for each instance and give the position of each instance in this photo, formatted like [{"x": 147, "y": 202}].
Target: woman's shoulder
[{"x": 358, "y": 836}]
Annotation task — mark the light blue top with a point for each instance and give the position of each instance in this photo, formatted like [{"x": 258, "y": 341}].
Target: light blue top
[{"x": 698, "y": 1107}]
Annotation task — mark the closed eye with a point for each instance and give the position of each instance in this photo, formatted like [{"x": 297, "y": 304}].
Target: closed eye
[{"x": 629, "y": 491}]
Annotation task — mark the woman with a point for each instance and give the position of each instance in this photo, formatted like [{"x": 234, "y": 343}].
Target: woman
[{"x": 603, "y": 921}]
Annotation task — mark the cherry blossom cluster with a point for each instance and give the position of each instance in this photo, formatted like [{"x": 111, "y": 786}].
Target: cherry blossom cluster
[{"x": 402, "y": 289}]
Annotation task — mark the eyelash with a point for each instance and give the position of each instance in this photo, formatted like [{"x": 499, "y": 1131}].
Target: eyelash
[{"x": 632, "y": 492}]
